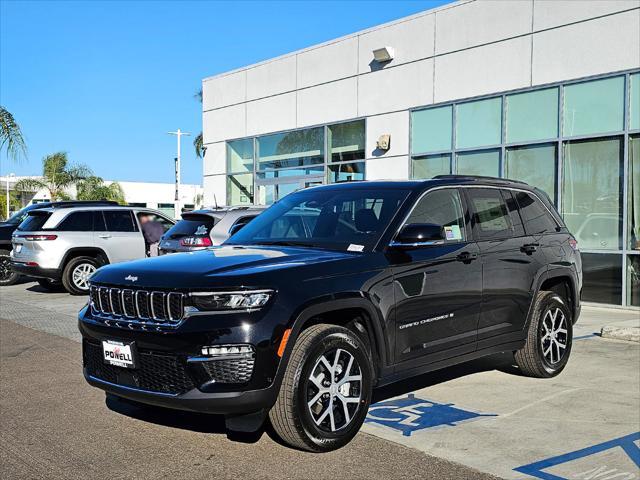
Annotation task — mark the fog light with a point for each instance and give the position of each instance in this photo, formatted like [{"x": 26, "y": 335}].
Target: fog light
[{"x": 236, "y": 351}]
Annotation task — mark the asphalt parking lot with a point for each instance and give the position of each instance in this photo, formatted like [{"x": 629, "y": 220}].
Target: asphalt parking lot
[{"x": 477, "y": 420}]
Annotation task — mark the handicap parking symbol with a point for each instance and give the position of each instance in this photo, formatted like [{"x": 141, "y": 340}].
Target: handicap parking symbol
[
  {"x": 617, "y": 459},
  {"x": 409, "y": 414}
]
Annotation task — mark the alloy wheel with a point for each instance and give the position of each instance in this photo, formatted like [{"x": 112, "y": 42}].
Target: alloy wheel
[
  {"x": 5, "y": 268},
  {"x": 81, "y": 275},
  {"x": 334, "y": 390},
  {"x": 554, "y": 335}
]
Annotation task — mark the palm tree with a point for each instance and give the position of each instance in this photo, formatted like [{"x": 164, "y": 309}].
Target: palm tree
[
  {"x": 197, "y": 142},
  {"x": 11, "y": 136},
  {"x": 57, "y": 176},
  {"x": 94, "y": 188}
]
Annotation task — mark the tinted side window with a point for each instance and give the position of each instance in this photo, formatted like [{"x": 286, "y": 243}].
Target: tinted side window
[
  {"x": 535, "y": 216},
  {"x": 119, "y": 221},
  {"x": 490, "y": 214},
  {"x": 243, "y": 220},
  {"x": 441, "y": 207},
  {"x": 77, "y": 222},
  {"x": 514, "y": 214},
  {"x": 34, "y": 221}
]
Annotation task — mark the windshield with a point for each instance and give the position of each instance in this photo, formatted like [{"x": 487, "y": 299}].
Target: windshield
[
  {"x": 351, "y": 220},
  {"x": 20, "y": 215},
  {"x": 191, "y": 225}
]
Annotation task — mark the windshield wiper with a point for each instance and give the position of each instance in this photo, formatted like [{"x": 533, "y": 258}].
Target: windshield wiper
[{"x": 287, "y": 243}]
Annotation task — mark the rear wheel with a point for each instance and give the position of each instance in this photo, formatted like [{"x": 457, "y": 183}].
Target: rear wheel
[
  {"x": 549, "y": 338},
  {"x": 50, "y": 285},
  {"x": 7, "y": 275},
  {"x": 76, "y": 274},
  {"x": 326, "y": 390}
]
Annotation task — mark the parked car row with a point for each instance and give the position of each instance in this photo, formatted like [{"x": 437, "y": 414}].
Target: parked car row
[{"x": 61, "y": 244}]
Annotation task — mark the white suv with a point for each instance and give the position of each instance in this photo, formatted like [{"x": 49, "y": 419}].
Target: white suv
[{"x": 67, "y": 244}]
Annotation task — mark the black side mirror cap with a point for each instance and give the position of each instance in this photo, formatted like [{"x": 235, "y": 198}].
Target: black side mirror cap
[{"x": 416, "y": 234}]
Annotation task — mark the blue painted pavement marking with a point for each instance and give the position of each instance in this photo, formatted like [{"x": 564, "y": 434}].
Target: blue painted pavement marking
[
  {"x": 590, "y": 335},
  {"x": 626, "y": 443},
  {"x": 410, "y": 413}
]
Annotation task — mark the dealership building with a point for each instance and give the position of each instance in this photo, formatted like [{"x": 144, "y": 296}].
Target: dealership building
[{"x": 547, "y": 92}]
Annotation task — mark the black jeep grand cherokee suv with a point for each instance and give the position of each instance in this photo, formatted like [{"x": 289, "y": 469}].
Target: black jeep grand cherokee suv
[{"x": 333, "y": 291}]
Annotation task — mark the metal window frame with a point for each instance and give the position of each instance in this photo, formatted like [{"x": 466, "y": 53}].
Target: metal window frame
[{"x": 560, "y": 141}]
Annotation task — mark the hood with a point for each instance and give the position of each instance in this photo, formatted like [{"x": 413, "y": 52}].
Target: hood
[{"x": 212, "y": 267}]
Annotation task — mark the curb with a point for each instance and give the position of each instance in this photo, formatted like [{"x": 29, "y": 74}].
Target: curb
[{"x": 630, "y": 334}]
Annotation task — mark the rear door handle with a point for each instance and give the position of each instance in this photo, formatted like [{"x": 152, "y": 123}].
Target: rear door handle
[
  {"x": 529, "y": 248},
  {"x": 104, "y": 236},
  {"x": 467, "y": 257}
]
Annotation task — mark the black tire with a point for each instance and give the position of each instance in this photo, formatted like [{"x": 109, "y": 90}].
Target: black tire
[
  {"x": 71, "y": 283},
  {"x": 7, "y": 275},
  {"x": 50, "y": 285},
  {"x": 543, "y": 355},
  {"x": 292, "y": 418}
]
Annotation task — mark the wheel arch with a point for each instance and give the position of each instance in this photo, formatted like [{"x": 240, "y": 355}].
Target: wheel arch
[
  {"x": 564, "y": 285},
  {"x": 95, "y": 252}
]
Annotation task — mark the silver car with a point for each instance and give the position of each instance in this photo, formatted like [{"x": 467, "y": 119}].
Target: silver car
[
  {"x": 66, "y": 245},
  {"x": 205, "y": 228}
]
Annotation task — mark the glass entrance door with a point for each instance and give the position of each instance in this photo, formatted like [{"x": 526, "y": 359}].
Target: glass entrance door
[{"x": 273, "y": 189}]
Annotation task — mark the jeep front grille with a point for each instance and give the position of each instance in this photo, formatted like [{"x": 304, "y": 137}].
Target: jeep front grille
[{"x": 137, "y": 306}]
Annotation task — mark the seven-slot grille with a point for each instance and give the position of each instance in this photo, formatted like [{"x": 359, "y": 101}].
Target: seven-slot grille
[{"x": 137, "y": 305}]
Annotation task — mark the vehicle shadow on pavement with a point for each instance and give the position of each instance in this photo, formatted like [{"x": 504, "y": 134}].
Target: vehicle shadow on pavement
[
  {"x": 193, "y": 421},
  {"x": 503, "y": 362}
]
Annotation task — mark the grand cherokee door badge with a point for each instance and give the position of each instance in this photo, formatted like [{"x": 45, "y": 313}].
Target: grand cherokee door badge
[{"x": 426, "y": 320}]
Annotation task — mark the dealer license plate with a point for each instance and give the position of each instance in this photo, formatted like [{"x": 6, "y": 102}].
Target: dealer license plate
[{"x": 118, "y": 353}]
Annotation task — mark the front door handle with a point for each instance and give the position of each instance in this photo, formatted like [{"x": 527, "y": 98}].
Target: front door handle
[
  {"x": 467, "y": 257},
  {"x": 529, "y": 248},
  {"x": 104, "y": 236}
]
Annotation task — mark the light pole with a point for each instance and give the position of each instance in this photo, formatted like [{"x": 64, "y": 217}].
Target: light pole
[
  {"x": 177, "y": 207},
  {"x": 10, "y": 176}
]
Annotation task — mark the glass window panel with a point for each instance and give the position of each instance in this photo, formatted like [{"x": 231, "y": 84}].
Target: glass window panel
[
  {"x": 535, "y": 165},
  {"x": 431, "y": 129},
  {"x": 633, "y": 280},
  {"x": 594, "y": 107},
  {"x": 479, "y": 123},
  {"x": 602, "y": 278},
  {"x": 345, "y": 172},
  {"x": 292, "y": 172},
  {"x": 292, "y": 149},
  {"x": 634, "y": 121},
  {"x": 634, "y": 193},
  {"x": 240, "y": 155},
  {"x": 490, "y": 213},
  {"x": 429, "y": 167},
  {"x": 346, "y": 141},
  {"x": 479, "y": 163},
  {"x": 592, "y": 193},
  {"x": 532, "y": 115},
  {"x": 441, "y": 207},
  {"x": 240, "y": 189}
]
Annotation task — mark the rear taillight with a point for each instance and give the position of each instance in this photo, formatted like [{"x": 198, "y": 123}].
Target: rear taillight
[
  {"x": 196, "y": 242},
  {"x": 37, "y": 238},
  {"x": 573, "y": 243}
]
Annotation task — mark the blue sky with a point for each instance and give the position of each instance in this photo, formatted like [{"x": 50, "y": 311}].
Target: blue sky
[{"x": 104, "y": 81}]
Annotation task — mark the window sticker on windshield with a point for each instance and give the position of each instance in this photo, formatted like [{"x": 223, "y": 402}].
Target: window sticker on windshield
[
  {"x": 355, "y": 248},
  {"x": 453, "y": 232},
  {"x": 201, "y": 230}
]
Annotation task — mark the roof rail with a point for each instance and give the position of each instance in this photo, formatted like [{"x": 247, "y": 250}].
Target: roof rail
[
  {"x": 81, "y": 203},
  {"x": 477, "y": 177}
]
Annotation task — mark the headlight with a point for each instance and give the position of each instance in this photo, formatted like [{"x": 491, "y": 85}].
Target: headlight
[{"x": 241, "y": 300}]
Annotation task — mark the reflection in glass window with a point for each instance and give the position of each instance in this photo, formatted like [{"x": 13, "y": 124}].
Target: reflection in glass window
[
  {"x": 291, "y": 149},
  {"x": 479, "y": 123},
  {"x": 345, "y": 172},
  {"x": 594, "y": 107},
  {"x": 240, "y": 189},
  {"x": 602, "y": 278},
  {"x": 430, "y": 166},
  {"x": 633, "y": 280},
  {"x": 479, "y": 163},
  {"x": 592, "y": 193},
  {"x": 431, "y": 129},
  {"x": 441, "y": 207},
  {"x": 634, "y": 100},
  {"x": 346, "y": 141},
  {"x": 532, "y": 115},
  {"x": 535, "y": 165},
  {"x": 490, "y": 213},
  {"x": 240, "y": 155},
  {"x": 634, "y": 193}
]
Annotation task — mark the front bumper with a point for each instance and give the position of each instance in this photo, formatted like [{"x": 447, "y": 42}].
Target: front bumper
[{"x": 35, "y": 270}]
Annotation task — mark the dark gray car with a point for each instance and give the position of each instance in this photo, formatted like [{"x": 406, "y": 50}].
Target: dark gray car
[{"x": 205, "y": 228}]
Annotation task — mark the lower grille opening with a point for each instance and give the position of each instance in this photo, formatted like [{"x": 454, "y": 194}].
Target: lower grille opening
[{"x": 229, "y": 371}]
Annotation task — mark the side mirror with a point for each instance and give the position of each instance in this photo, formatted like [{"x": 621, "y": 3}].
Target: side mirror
[
  {"x": 236, "y": 228},
  {"x": 419, "y": 233}
]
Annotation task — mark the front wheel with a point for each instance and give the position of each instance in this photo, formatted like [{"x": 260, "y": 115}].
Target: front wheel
[
  {"x": 549, "y": 338},
  {"x": 326, "y": 390},
  {"x": 76, "y": 274},
  {"x": 7, "y": 275}
]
